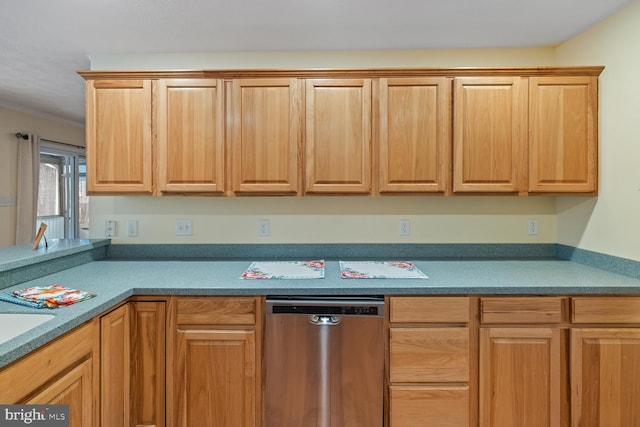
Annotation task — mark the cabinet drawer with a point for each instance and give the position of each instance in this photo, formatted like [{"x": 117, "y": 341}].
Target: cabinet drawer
[
  {"x": 521, "y": 310},
  {"x": 429, "y": 355},
  {"x": 418, "y": 406},
  {"x": 606, "y": 310},
  {"x": 216, "y": 311},
  {"x": 429, "y": 309}
]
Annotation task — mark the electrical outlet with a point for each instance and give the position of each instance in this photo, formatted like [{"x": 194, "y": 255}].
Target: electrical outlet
[
  {"x": 110, "y": 228},
  {"x": 263, "y": 227},
  {"x": 404, "y": 227},
  {"x": 532, "y": 227},
  {"x": 132, "y": 228},
  {"x": 184, "y": 227}
]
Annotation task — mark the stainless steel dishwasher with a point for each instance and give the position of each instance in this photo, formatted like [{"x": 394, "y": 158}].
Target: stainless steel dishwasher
[{"x": 324, "y": 360}]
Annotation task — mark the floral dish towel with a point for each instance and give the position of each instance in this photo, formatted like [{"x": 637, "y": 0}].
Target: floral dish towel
[{"x": 52, "y": 296}]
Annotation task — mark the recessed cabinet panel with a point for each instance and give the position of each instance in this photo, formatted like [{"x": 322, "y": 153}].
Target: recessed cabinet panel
[
  {"x": 266, "y": 136},
  {"x": 489, "y": 134},
  {"x": 119, "y": 136},
  {"x": 563, "y": 133},
  {"x": 338, "y": 136},
  {"x": 605, "y": 367},
  {"x": 520, "y": 377},
  {"x": 414, "y": 134},
  {"x": 190, "y": 131},
  {"x": 215, "y": 378}
]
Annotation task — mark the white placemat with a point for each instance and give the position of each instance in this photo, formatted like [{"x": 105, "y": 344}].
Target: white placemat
[
  {"x": 380, "y": 270},
  {"x": 285, "y": 270}
]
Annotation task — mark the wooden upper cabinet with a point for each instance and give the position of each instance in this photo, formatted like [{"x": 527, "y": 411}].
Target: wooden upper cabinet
[
  {"x": 414, "y": 134},
  {"x": 563, "y": 132},
  {"x": 489, "y": 134},
  {"x": 338, "y": 136},
  {"x": 190, "y": 132},
  {"x": 119, "y": 136},
  {"x": 267, "y": 138}
]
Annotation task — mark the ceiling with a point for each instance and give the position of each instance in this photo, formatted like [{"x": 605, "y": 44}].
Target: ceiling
[{"x": 44, "y": 43}]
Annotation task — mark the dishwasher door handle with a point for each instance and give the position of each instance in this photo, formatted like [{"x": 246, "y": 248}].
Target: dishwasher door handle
[{"x": 315, "y": 319}]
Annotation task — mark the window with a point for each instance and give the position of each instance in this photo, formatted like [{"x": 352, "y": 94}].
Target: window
[{"x": 62, "y": 192}]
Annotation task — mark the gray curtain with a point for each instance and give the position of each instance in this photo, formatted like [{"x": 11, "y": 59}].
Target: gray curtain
[{"x": 27, "y": 195}]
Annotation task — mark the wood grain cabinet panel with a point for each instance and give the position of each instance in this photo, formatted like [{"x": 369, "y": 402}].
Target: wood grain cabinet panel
[
  {"x": 414, "y": 134},
  {"x": 521, "y": 309},
  {"x": 338, "y": 136},
  {"x": 214, "y": 362},
  {"x": 606, "y": 310},
  {"x": 215, "y": 376},
  {"x": 563, "y": 132},
  {"x": 605, "y": 367},
  {"x": 119, "y": 136},
  {"x": 190, "y": 135},
  {"x": 432, "y": 361},
  {"x": 419, "y": 309},
  {"x": 132, "y": 365},
  {"x": 429, "y": 355},
  {"x": 63, "y": 372},
  {"x": 74, "y": 388},
  {"x": 429, "y": 405},
  {"x": 489, "y": 134},
  {"x": 521, "y": 377},
  {"x": 266, "y": 141}
]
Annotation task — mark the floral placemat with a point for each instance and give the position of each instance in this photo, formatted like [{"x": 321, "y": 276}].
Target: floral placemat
[
  {"x": 285, "y": 270},
  {"x": 380, "y": 270}
]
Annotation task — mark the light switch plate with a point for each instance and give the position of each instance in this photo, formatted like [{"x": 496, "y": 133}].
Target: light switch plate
[{"x": 132, "y": 228}]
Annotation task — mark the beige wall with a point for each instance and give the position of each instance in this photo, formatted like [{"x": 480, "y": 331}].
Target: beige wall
[
  {"x": 610, "y": 224},
  {"x": 327, "y": 219},
  {"x": 12, "y": 122}
]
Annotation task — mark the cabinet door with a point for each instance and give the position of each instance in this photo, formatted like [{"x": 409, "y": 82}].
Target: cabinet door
[
  {"x": 520, "y": 377},
  {"x": 338, "y": 136},
  {"x": 132, "y": 365},
  {"x": 489, "y": 134},
  {"x": 605, "y": 367},
  {"x": 563, "y": 134},
  {"x": 414, "y": 134},
  {"x": 215, "y": 378},
  {"x": 147, "y": 363},
  {"x": 190, "y": 129},
  {"x": 74, "y": 388},
  {"x": 119, "y": 157},
  {"x": 266, "y": 136},
  {"x": 115, "y": 368}
]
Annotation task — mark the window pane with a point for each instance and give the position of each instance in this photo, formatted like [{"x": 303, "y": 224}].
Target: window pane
[
  {"x": 83, "y": 200},
  {"x": 49, "y": 189}
]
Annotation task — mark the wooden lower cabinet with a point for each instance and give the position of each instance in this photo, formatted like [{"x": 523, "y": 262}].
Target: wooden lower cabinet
[
  {"x": 63, "y": 372},
  {"x": 605, "y": 373},
  {"x": 132, "y": 365},
  {"x": 215, "y": 378},
  {"x": 430, "y": 362},
  {"x": 214, "y": 362},
  {"x": 521, "y": 377}
]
